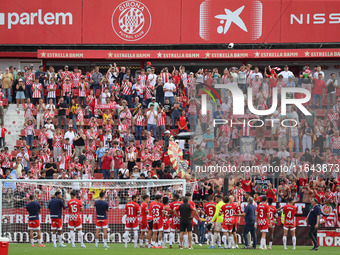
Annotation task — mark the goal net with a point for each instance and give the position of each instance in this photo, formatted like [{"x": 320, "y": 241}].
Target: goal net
[{"x": 15, "y": 196}]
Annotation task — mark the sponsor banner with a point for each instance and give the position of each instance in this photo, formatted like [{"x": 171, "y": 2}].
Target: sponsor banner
[
  {"x": 329, "y": 237},
  {"x": 41, "y": 22},
  {"x": 107, "y": 106},
  {"x": 190, "y": 54},
  {"x": 131, "y": 21},
  {"x": 314, "y": 21},
  {"x": 220, "y": 21}
]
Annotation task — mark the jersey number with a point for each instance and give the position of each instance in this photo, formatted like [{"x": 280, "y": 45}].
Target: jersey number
[
  {"x": 130, "y": 209},
  {"x": 74, "y": 208}
]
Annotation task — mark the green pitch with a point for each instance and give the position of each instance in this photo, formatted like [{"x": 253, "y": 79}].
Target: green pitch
[{"x": 118, "y": 249}]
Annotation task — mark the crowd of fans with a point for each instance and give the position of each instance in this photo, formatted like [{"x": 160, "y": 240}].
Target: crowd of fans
[{"x": 112, "y": 124}]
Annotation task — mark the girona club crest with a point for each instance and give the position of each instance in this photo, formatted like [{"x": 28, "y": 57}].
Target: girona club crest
[{"x": 131, "y": 20}]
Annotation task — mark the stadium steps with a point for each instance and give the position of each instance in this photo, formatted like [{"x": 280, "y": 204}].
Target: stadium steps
[{"x": 14, "y": 122}]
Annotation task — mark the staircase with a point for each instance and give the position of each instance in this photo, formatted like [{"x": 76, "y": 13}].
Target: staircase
[{"x": 14, "y": 122}]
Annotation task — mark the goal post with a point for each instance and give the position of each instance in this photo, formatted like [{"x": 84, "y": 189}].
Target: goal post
[{"x": 14, "y": 195}]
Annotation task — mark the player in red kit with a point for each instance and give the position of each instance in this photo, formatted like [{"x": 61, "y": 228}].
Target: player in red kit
[
  {"x": 144, "y": 228},
  {"x": 289, "y": 211},
  {"x": 262, "y": 219},
  {"x": 75, "y": 207},
  {"x": 166, "y": 220},
  {"x": 175, "y": 220},
  {"x": 131, "y": 220},
  {"x": 209, "y": 209},
  {"x": 228, "y": 211},
  {"x": 157, "y": 213},
  {"x": 273, "y": 216},
  {"x": 237, "y": 211}
]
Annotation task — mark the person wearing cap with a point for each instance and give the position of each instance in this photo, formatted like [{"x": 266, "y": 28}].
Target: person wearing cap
[
  {"x": 7, "y": 81},
  {"x": 152, "y": 77},
  {"x": 20, "y": 94},
  {"x": 286, "y": 73},
  {"x": 155, "y": 104}
]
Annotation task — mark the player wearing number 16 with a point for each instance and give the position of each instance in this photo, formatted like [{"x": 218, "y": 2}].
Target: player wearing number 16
[{"x": 75, "y": 207}]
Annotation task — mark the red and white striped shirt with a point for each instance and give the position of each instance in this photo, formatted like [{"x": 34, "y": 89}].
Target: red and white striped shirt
[
  {"x": 161, "y": 119},
  {"x": 165, "y": 77},
  {"x": 148, "y": 91},
  {"x": 184, "y": 77},
  {"x": 48, "y": 114},
  {"x": 51, "y": 94},
  {"x": 234, "y": 134},
  {"x": 142, "y": 78},
  {"x": 238, "y": 194},
  {"x": 43, "y": 139},
  {"x": 36, "y": 92},
  {"x": 139, "y": 120},
  {"x": 191, "y": 83},
  {"x": 69, "y": 148},
  {"x": 57, "y": 141},
  {"x": 67, "y": 88},
  {"x": 246, "y": 130},
  {"x": 127, "y": 88}
]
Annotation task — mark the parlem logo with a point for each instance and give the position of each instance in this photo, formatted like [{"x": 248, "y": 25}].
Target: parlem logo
[
  {"x": 131, "y": 20},
  {"x": 218, "y": 17},
  {"x": 35, "y": 18}
]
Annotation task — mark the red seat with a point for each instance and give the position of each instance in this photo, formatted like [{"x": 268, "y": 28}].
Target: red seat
[
  {"x": 22, "y": 132},
  {"x": 19, "y": 143},
  {"x": 57, "y": 93},
  {"x": 14, "y": 154},
  {"x": 320, "y": 112},
  {"x": 76, "y": 93}
]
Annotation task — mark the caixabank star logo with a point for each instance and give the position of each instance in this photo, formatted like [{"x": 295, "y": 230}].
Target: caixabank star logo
[
  {"x": 226, "y": 18},
  {"x": 131, "y": 20}
]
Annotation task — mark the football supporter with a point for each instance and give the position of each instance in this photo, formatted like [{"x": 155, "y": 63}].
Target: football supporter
[
  {"x": 56, "y": 206},
  {"x": 131, "y": 221},
  {"x": 102, "y": 207},
  {"x": 33, "y": 209},
  {"x": 75, "y": 208}
]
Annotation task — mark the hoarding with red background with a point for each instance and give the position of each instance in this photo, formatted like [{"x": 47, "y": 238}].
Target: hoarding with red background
[
  {"x": 138, "y": 22},
  {"x": 19, "y": 22},
  {"x": 169, "y": 22},
  {"x": 220, "y": 21}
]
